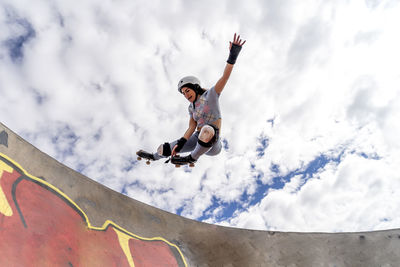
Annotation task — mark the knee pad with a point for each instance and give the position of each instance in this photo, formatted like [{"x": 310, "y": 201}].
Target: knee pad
[
  {"x": 207, "y": 136},
  {"x": 164, "y": 150}
]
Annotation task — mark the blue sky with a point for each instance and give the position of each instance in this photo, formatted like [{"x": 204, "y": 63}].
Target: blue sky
[{"x": 310, "y": 114}]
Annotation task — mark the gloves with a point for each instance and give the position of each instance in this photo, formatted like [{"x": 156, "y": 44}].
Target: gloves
[
  {"x": 181, "y": 142},
  {"x": 234, "y": 53}
]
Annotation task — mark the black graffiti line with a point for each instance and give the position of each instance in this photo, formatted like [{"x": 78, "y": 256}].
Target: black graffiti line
[
  {"x": 46, "y": 187},
  {"x": 68, "y": 202},
  {"x": 14, "y": 189}
]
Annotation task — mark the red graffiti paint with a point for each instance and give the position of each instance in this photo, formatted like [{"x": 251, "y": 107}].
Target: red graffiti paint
[{"x": 45, "y": 229}]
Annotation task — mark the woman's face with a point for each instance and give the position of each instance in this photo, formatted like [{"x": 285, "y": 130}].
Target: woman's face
[{"x": 189, "y": 94}]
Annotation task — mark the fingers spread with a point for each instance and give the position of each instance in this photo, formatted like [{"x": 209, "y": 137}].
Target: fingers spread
[{"x": 237, "y": 40}]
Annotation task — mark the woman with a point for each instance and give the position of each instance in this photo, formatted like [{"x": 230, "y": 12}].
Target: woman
[{"x": 202, "y": 135}]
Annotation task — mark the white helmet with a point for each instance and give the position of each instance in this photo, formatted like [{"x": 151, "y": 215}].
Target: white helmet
[{"x": 187, "y": 80}]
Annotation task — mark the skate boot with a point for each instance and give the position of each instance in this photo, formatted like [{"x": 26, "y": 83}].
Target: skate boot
[
  {"x": 179, "y": 161},
  {"x": 145, "y": 155}
]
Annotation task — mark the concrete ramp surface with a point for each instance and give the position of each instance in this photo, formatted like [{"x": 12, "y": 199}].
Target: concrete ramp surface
[{"x": 51, "y": 215}]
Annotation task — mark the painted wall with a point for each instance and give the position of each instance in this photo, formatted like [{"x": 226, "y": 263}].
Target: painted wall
[{"x": 41, "y": 226}]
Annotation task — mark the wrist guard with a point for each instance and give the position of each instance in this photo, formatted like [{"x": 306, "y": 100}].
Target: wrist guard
[
  {"x": 181, "y": 142},
  {"x": 234, "y": 53}
]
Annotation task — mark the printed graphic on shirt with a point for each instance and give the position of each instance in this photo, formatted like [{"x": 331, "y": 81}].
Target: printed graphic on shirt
[{"x": 206, "y": 110}]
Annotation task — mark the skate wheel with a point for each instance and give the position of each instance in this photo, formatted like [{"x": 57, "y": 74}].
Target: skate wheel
[
  {"x": 191, "y": 165},
  {"x": 148, "y": 162},
  {"x": 177, "y": 166},
  {"x": 139, "y": 158}
]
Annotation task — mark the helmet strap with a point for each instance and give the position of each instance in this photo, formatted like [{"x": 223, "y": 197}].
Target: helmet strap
[{"x": 195, "y": 99}]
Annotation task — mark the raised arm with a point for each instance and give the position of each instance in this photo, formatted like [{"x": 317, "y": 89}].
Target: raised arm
[{"x": 234, "y": 48}]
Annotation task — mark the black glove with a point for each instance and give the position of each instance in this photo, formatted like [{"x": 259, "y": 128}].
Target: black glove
[
  {"x": 234, "y": 53},
  {"x": 181, "y": 142}
]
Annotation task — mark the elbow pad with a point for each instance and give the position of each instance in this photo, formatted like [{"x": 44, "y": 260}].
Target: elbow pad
[{"x": 234, "y": 53}]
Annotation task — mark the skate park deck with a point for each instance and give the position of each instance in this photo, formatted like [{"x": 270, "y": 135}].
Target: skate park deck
[{"x": 51, "y": 215}]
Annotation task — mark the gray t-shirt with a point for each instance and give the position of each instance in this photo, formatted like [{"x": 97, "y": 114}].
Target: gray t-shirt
[{"x": 206, "y": 110}]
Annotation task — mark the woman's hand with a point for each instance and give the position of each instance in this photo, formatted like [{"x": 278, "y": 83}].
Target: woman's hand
[
  {"x": 234, "y": 49},
  {"x": 236, "y": 41},
  {"x": 174, "y": 152},
  {"x": 179, "y": 145}
]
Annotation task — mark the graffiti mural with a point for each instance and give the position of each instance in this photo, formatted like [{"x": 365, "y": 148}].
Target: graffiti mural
[{"x": 41, "y": 226}]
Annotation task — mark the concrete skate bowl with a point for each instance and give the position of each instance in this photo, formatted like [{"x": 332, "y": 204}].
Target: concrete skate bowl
[{"x": 51, "y": 215}]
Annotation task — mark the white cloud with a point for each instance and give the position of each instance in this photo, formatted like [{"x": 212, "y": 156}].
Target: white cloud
[
  {"x": 97, "y": 82},
  {"x": 356, "y": 195}
]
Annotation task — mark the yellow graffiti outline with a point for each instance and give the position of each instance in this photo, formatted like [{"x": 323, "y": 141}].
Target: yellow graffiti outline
[
  {"x": 5, "y": 207},
  {"x": 124, "y": 242},
  {"x": 106, "y": 224}
]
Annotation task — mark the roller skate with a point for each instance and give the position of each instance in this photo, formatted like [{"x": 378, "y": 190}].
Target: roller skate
[
  {"x": 180, "y": 161},
  {"x": 149, "y": 157}
]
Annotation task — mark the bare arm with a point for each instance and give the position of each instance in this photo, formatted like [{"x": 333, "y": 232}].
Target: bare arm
[
  {"x": 191, "y": 129},
  {"x": 219, "y": 86},
  {"x": 187, "y": 135}
]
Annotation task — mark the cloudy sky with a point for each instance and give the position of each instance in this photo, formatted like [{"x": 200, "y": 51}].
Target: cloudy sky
[{"x": 310, "y": 114}]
